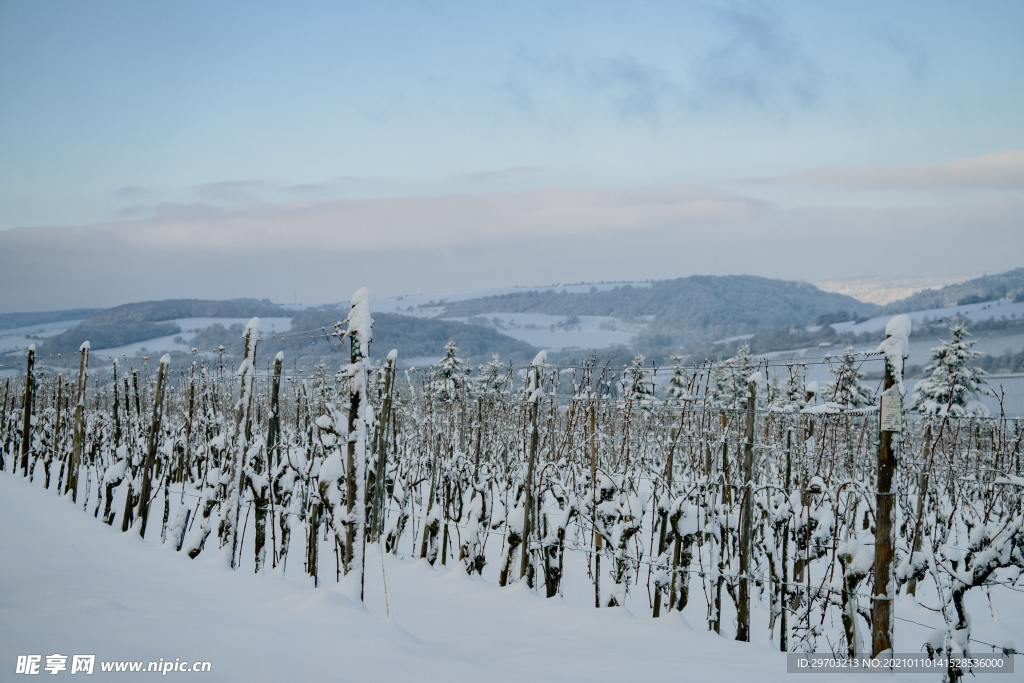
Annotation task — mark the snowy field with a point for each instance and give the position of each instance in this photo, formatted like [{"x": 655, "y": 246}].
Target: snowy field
[
  {"x": 559, "y": 332},
  {"x": 986, "y": 310},
  {"x": 72, "y": 585},
  {"x": 418, "y": 304},
  {"x": 189, "y": 327},
  {"x": 19, "y": 338}
]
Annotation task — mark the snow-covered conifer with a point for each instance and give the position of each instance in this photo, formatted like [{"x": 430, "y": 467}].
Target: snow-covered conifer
[{"x": 952, "y": 383}]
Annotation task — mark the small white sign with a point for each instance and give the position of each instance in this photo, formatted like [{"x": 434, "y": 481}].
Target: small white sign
[{"x": 891, "y": 412}]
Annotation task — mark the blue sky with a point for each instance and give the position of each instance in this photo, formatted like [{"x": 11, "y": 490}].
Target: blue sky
[{"x": 132, "y": 113}]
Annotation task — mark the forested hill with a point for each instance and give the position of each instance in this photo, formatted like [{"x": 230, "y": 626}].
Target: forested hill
[
  {"x": 985, "y": 288},
  {"x": 415, "y": 338},
  {"x": 704, "y": 301},
  {"x": 169, "y": 309}
]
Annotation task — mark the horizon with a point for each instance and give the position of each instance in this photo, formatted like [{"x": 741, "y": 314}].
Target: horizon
[{"x": 880, "y": 291}]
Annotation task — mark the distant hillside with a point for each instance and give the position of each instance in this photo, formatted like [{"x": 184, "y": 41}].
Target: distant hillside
[
  {"x": 12, "y": 320},
  {"x": 137, "y": 322},
  {"x": 169, "y": 309},
  {"x": 985, "y": 288},
  {"x": 695, "y": 308},
  {"x": 413, "y": 337}
]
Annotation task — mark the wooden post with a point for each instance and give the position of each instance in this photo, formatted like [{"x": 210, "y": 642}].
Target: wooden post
[
  {"x": 243, "y": 433},
  {"x": 783, "y": 603},
  {"x": 380, "y": 446},
  {"x": 746, "y": 517},
  {"x": 351, "y": 483},
  {"x": 78, "y": 438},
  {"x": 664, "y": 537},
  {"x": 185, "y": 465},
  {"x": 151, "y": 446},
  {"x": 3, "y": 425},
  {"x": 597, "y": 498},
  {"x": 922, "y": 494},
  {"x": 531, "y": 464},
  {"x": 26, "y": 409},
  {"x": 274, "y": 427},
  {"x": 882, "y": 593}
]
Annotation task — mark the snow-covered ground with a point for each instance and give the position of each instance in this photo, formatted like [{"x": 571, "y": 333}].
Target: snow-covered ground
[
  {"x": 74, "y": 586},
  {"x": 884, "y": 290},
  {"x": 71, "y": 585},
  {"x": 189, "y": 327},
  {"x": 417, "y": 304},
  {"x": 558, "y": 332},
  {"x": 987, "y": 310},
  {"x": 19, "y": 338}
]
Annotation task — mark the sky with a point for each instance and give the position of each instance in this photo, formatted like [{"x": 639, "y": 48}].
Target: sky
[{"x": 297, "y": 151}]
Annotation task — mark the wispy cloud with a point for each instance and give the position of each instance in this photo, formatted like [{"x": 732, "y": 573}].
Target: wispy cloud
[
  {"x": 997, "y": 171},
  {"x": 499, "y": 175},
  {"x": 133, "y": 193},
  {"x": 233, "y": 191},
  {"x": 748, "y": 60},
  {"x": 425, "y": 222},
  {"x": 755, "y": 63},
  {"x": 911, "y": 53}
]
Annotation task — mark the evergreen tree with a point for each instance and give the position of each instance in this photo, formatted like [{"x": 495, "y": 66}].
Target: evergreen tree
[
  {"x": 635, "y": 383},
  {"x": 729, "y": 380},
  {"x": 449, "y": 374},
  {"x": 679, "y": 382},
  {"x": 846, "y": 390},
  {"x": 490, "y": 380},
  {"x": 952, "y": 383},
  {"x": 793, "y": 396}
]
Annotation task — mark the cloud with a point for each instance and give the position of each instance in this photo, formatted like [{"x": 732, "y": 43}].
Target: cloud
[
  {"x": 749, "y": 59},
  {"x": 169, "y": 211},
  {"x": 756, "y": 63},
  {"x": 636, "y": 89},
  {"x": 913, "y": 55},
  {"x": 424, "y": 222},
  {"x": 997, "y": 171},
  {"x": 323, "y": 252},
  {"x": 499, "y": 175},
  {"x": 133, "y": 192},
  {"x": 233, "y": 191},
  {"x": 306, "y": 188}
]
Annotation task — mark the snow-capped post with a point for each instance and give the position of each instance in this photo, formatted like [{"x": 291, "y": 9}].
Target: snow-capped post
[
  {"x": 381, "y": 450},
  {"x": 26, "y": 409},
  {"x": 186, "y": 456},
  {"x": 3, "y": 426},
  {"x": 152, "y": 443},
  {"x": 243, "y": 428},
  {"x": 78, "y": 436},
  {"x": 274, "y": 422},
  {"x": 360, "y": 326},
  {"x": 894, "y": 348},
  {"x": 746, "y": 514},
  {"x": 598, "y": 542},
  {"x": 533, "y": 393}
]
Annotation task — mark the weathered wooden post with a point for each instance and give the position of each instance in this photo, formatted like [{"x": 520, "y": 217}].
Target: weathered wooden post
[
  {"x": 78, "y": 437},
  {"x": 152, "y": 443},
  {"x": 533, "y": 388},
  {"x": 598, "y": 542},
  {"x": 26, "y": 409},
  {"x": 897, "y": 333},
  {"x": 746, "y": 515},
  {"x": 380, "y": 446},
  {"x": 243, "y": 430}
]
